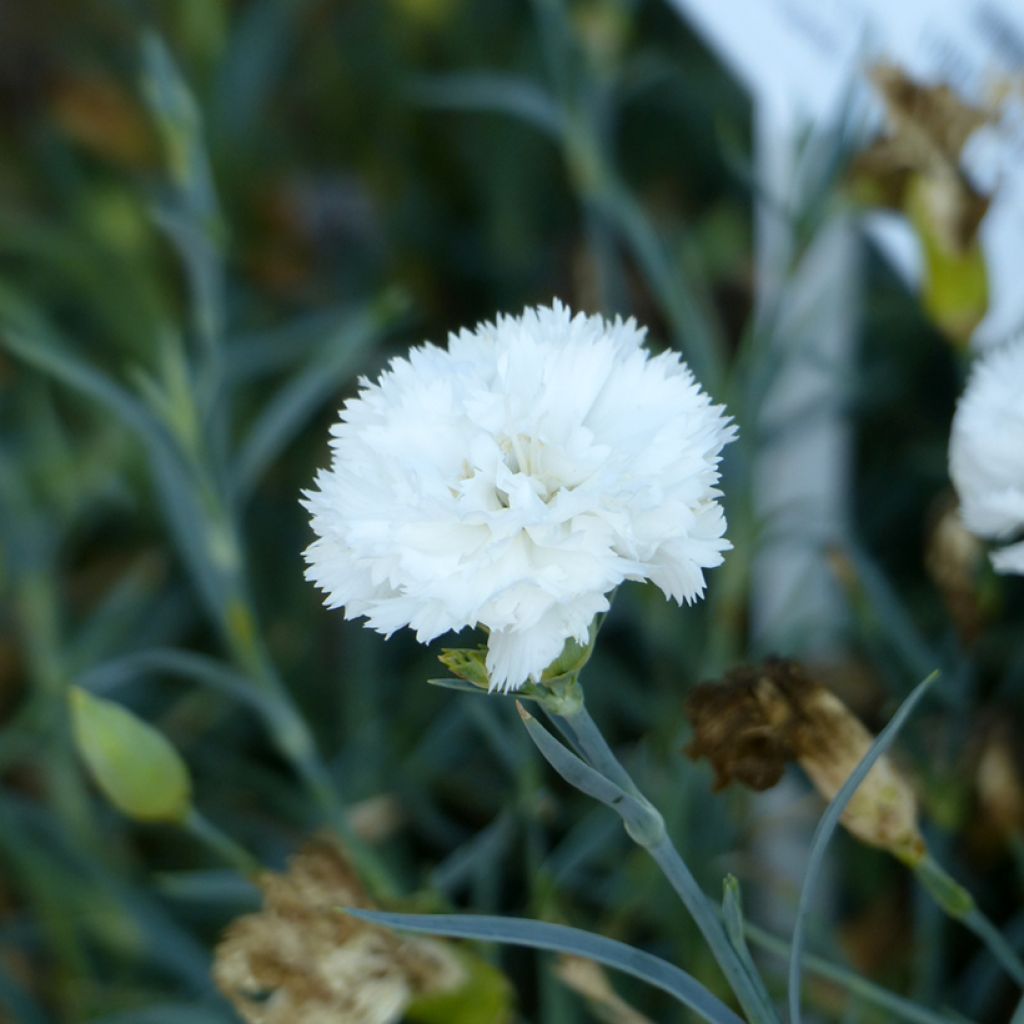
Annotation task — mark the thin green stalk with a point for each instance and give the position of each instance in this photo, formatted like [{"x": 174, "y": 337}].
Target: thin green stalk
[
  {"x": 959, "y": 904},
  {"x": 294, "y": 739},
  {"x": 866, "y": 991},
  {"x": 36, "y": 609},
  {"x": 290, "y": 733},
  {"x": 978, "y": 923},
  {"x": 826, "y": 829},
  {"x": 689, "y": 321},
  {"x": 587, "y": 154},
  {"x": 222, "y": 845},
  {"x": 749, "y": 988},
  {"x": 193, "y": 223}
]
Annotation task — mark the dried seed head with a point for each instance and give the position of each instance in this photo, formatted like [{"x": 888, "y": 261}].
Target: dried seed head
[
  {"x": 932, "y": 122},
  {"x": 300, "y": 960},
  {"x": 758, "y": 718},
  {"x": 915, "y": 167},
  {"x": 928, "y": 129}
]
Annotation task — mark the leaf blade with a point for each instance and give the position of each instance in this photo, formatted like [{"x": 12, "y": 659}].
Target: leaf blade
[
  {"x": 560, "y": 938},
  {"x": 827, "y": 826}
]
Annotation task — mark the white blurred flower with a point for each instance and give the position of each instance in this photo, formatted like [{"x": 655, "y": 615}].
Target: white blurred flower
[
  {"x": 515, "y": 479},
  {"x": 986, "y": 452}
]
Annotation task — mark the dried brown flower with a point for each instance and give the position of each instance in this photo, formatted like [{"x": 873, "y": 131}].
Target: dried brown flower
[
  {"x": 915, "y": 168},
  {"x": 931, "y": 123},
  {"x": 760, "y": 717},
  {"x": 300, "y": 960},
  {"x": 928, "y": 128}
]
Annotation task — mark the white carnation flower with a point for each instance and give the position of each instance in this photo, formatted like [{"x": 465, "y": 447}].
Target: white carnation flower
[
  {"x": 515, "y": 479},
  {"x": 986, "y": 452}
]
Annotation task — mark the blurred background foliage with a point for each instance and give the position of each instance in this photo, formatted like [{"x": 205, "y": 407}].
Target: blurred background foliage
[{"x": 214, "y": 216}]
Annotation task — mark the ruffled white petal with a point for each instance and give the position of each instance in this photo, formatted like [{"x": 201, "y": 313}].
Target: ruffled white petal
[
  {"x": 515, "y": 479},
  {"x": 1009, "y": 559},
  {"x": 986, "y": 451}
]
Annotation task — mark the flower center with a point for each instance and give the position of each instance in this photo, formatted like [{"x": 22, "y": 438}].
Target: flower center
[{"x": 526, "y": 457}]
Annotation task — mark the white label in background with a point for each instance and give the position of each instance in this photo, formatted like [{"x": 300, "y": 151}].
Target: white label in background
[{"x": 800, "y": 59}]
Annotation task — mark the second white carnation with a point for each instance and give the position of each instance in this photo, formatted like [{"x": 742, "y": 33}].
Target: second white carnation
[
  {"x": 986, "y": 452},
  {"x": 515, "y": 479}
]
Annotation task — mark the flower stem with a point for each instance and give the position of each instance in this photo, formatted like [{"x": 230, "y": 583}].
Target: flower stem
[
  {"x": 748, "y": 987},
  {"x": 222, "y": 845},
  {"x": 293, "y": 738},
  {"x": 862, "y": 989},
  {"x": 958, "y": 903}
]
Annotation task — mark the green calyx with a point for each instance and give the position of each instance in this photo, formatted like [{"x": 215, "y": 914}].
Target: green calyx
[{"x": 558, "y": 684}]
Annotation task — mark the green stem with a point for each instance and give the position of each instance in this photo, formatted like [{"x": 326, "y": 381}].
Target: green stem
[
  {"x": 865, "y": 990},
  {"x": 587, "y": 154},
  {"x": 292, "y": 737},
  {"x": 749, "y": 988},
  {"x": 222, "y": 845},
  {"x": 288, "y": 729},
  {"x": 959, "y": 904},
  {"x": 978, "y": 923}
]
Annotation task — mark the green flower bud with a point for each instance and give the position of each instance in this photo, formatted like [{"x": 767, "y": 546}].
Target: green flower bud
[{"x": 135, "y": 766}]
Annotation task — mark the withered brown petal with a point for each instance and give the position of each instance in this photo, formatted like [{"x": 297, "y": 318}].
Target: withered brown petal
[
  {"x": 759, "y": 717},
  {"x": 745, "y": 725},
  {"x": 300, "y": 960}
]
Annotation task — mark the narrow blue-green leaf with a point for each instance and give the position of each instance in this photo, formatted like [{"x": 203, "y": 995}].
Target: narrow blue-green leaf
[
  {"x": 189, "y": 214},
  {"x": 579, "y": 774},
  {"x": 27, "y": 335},
  {"x": 273, "y": 351},
  {"x": 116, "y": 616},
  {"x": 996, "y": 942},
  {"x": 42, "y": 852},
  {"x": 559, "y": 938},
  {"x": 218, "y": 887},
  {"x": 179, "y": 119},
  {"x": 258, "y": 54},
  {"x": 305, "y": 393},
  {"x": 897, "y": 1007},
  {"x": 474, "y": 856},
  {"x": 506, "y": 744},
  {"x": 32, "y": 339},
  {"x": 732, "y": 915},
  {"x": 198, "y": 668},
  {"x": 695, "y": 330},
  {"x": 591, "y": 838},
  {"x": 491, "y": 93},
  {"x": 980, "y": 983},
  {"x": 827, "y": 825},
  {"x": 892, "y": 616},
  {"x": 459, "y": 685}
]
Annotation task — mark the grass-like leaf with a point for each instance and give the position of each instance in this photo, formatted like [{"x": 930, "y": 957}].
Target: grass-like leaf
[
  {"x": 587, "y": 780},
  {"x": 827, "y": 825},
  {"x": 303, "y": 394},
  {"x": 491, "y": 93},
  {"x": 558, "y": 938}
]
